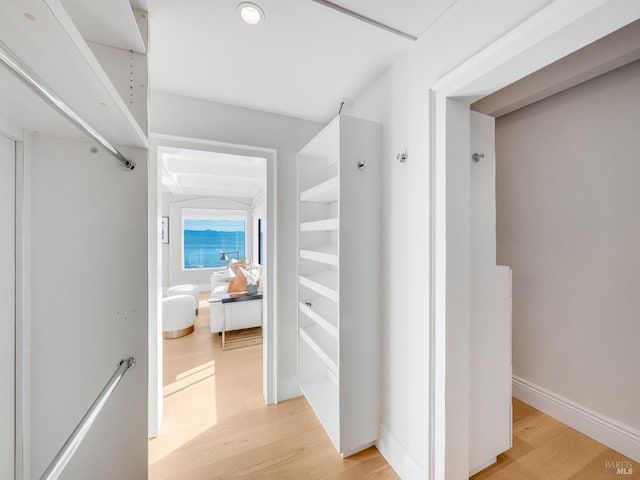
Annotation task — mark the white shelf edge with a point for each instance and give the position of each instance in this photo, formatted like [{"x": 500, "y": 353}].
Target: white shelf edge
[
  {"x": 320, "y": 256},
  {"x": 322, "y": 355},
  {"x": 323, "y": 290},
  {"x": 316, "y": 193},
  {"x": 76, "y": 38},
  {"x": 328, "y": 225},
  {"x": 323, "y": 323}
]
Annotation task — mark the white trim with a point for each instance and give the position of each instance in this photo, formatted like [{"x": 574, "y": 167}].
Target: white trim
[
  {"x": 288, "y": 388},
  {"x": 270, "y": 331},
  {"x": 23, "y": 309},
  {"x": 199, "y": 141},
  {"x": 606, "y": 430},
  {"x": 402, "y": 462},
  {"x": 9, "y": 129}
]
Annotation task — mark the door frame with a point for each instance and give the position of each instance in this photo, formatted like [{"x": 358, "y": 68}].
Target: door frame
[
  {"x": 9, "y": 289},
  {"x": 560, "y": 28},
  {"x": 269, "y": 353},
  {"x": 22, "y": 353}
]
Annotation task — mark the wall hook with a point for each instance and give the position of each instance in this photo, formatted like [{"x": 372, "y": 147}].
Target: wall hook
[
  {"x": 402, "y": 157},
  {"x": 362, "y": 165},
  {"x": 477, "y": 156}
]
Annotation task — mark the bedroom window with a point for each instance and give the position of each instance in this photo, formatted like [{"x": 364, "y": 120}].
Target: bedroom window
[{"x": 211, "y": 240}]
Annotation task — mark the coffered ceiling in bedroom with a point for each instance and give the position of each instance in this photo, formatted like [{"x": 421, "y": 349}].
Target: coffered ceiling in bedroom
[
  {"x": 194, "y": 172},
  {"x": 301, "y": 61}
]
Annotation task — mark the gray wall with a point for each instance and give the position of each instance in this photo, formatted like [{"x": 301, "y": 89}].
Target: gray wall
[
  {"x": 568, "y": 222},
  {"x": 89, "y": 306},
  {"x": 200, "y": 119}
]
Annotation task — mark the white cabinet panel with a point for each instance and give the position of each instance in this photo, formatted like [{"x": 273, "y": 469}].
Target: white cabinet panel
[{"x": 490, "y": 329}]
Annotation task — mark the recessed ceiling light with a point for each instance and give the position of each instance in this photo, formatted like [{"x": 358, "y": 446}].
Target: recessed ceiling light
[{"x": 250, "y": 13}]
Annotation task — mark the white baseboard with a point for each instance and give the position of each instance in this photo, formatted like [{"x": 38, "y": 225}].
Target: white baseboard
[
  {"x": 402, "y": 462},
  {"x": 606, "y": 430},
  {"x": 288, "y": 388}
]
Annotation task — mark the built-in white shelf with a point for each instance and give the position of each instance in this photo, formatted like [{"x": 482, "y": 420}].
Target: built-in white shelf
[
  {"x": 322, "y": 395},
  {"x": 327, "y": 254},
  {"x": 324, "y": 282},
  {"x": 88, "y": 84},
  {"x": 325, "y": 192},
  {"x": 322, "y": 311},
  {"x": 339, "y": 305},
  {"x": 323, "y": 344},
  {"x": 328, "y": 225},
  {"x": 111, "y": 23}
]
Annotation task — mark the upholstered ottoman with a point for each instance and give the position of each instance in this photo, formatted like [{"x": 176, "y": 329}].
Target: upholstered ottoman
[
  {"x": 178, "y": 316},
  {"x": 192, "y": 290}
]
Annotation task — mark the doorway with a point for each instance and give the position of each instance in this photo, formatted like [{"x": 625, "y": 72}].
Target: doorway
[
  {"x": 551, "y": 34},
  {"x": 257, "y": 210}
]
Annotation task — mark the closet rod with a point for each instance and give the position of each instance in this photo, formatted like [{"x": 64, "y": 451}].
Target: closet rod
[
  {"x": 362, "y": 18},
  {"x": 28, "y": 76}
]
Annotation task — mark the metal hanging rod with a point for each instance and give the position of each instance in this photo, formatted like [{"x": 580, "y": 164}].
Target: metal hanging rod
[
  {"x": 28, "y": 76},
  {"x": 368, "y": 20},
  {"x": 60, "y": 461}
]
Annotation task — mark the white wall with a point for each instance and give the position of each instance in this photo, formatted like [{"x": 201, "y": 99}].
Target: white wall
[
  {"x": 568, "y": 223},
  {"x": 7, "y": 304},
  {"x": 89, "y": 306},
  {"x": 189, "y": 117},
  {"x": 399, "y": 99},
  {"x": 172, "y": 204}
]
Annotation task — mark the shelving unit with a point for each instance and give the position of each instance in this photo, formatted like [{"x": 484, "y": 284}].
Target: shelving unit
[
  {"x": 42, "y": 33},
  {"x": 322, "y": 311},
  {"x": 339, "y": 280},
  {"x": 325, "y": 192},
  {"x": 325, "y": 282},
  {"x": 328, "y": 225},
  {"x": 327, "y": 254}
]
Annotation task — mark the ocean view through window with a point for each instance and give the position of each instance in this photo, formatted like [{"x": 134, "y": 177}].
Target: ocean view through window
[{"x": 205, "y": 240}]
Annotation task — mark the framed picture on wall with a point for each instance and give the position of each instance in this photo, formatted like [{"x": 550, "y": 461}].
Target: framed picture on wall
[{"x": 165, "y": 230}]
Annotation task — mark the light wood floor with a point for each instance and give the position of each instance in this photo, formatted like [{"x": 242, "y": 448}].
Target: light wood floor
[
  {"x": 545, "y": 449},
  {"x": 216, "y": 425}
]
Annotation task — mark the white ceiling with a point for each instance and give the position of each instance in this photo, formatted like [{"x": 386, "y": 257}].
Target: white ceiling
[
  {"x": 193, "y": 172},
  {"x": 301, "y": 61}
]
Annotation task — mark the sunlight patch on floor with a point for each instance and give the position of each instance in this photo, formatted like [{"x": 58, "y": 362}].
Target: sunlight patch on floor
[
  {"x": 203, "y": 387},
  {"x": 195, "y": 370},
  {"x": 195, "y": 387}
]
